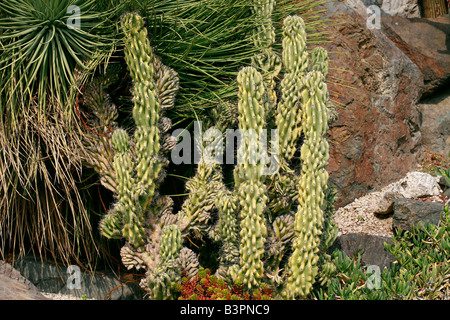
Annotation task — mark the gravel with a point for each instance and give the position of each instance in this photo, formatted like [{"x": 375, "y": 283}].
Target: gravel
[
  {"x": 359, "y": 217},
  {"x": 58, "y": 296}
]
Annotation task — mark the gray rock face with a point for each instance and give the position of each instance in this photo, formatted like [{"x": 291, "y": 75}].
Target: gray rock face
[
  {"x": 374, "y": 252},
  {"x": 436, "y": 123},
  {"x": 71, "y": 280},
  {"x": 13, "y": 286},
  {"x": 409, "y": 212}
]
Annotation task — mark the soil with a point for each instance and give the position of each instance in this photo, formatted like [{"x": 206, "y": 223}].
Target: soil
[{"x": 358, "y": 216}]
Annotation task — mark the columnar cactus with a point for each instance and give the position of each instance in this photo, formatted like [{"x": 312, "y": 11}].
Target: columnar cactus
[
  {"x": 260, "y": 216},
  {"x": 289, "y": 112},
  {"x": 227, "y": 228},
  {"x": 137, "y": 178},
  {"x": 195, "y": 213},
  {"x": 268, "y": 225},
  {"x": 266, "y": 60},
  {"x": 146, "y": 111},
  {"x": 302, "y": 267},
  {"x": 99, "y": 153},
  {"x": 251, "y": 192},
  {"x": 264, "y": 34},
  {"x": 141, "y": 215}
]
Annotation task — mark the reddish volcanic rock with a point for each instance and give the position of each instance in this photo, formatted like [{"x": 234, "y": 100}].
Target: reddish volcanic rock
[
  {"x": 427, "y": 43},
  {"x": 376, "y": 139}
]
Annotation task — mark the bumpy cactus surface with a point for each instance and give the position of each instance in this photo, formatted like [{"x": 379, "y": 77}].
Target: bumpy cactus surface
[
  {"x": 269, "y": 214},
  {"x": 141, "y": 215},
  {"x": 251, "y": 192},
  {"x": 309, "y": 217},
  {"x": 268, "y": 224},
  {"x": 99, "y": 152}
]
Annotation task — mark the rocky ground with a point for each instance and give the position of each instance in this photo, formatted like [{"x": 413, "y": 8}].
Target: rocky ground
[
  {"x": 360, "y": 216},
  {"x": 358, "y": 224},
  {"x": 59, "y": 296}
]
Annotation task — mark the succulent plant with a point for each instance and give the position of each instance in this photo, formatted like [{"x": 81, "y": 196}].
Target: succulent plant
[
  {"x": 261, "y": 208},
  {"x": 267, "y": 214},
  {"x": 419, "y": 271},
  {"x": 141, "y": 215}
]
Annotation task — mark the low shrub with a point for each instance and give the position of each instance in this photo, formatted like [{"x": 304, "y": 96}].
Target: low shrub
[{"x": 421, "y": 270}]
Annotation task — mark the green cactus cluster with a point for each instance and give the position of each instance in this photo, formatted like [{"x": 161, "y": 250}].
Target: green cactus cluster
[
  {"x": 141, "y": 215},
  {"x": 99, "y": 152},
  {"x": 263, "y": 207},
  {"x": 269, "y": 225},
  {"x": 309, "y": 217}
]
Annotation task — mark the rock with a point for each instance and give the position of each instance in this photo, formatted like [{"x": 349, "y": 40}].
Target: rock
[
  {"x": 447, "y": 192},
  {"x": 13, "y": 286},
  {"x": 444, "y": 183},
  {"x": 386, "y": 204},
  {"x": 53, "y": 278},
  {"x": 402, "y": 8},
  {"x": 435, "y": 128},
  {"x": 426, "y": 42},
  {"x": 376, "y": 139},
  {"x": 409, "y": 212},
  {"x": 414, "y": 185},
  {"x": 374, "y": 252}
]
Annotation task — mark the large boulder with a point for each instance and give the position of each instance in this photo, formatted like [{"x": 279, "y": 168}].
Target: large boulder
[
  {"x": 426, "y": 42},
  {"x": 13, "y": 286},
  {"x": 411, "y": 212},
  {"x": 371, "y": 247},
  {"x": 376, "y": 139},
  {"x": 435, "y": 127},
  {"x": 414, "y": 185}
]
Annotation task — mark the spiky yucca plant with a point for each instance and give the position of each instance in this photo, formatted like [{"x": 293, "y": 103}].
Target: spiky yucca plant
[
  {"x": 208, "y": 41},
  {"x": 42, "y": 43}
]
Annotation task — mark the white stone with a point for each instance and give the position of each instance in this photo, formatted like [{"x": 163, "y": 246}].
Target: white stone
[
  {"x": 417, "y": 184},
  {"x": 403, "y": 8},
  {"x": 414, "y": 185}
]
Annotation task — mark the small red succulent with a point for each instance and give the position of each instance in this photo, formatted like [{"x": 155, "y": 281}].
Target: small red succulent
[{"x": 205, "y": 286}]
